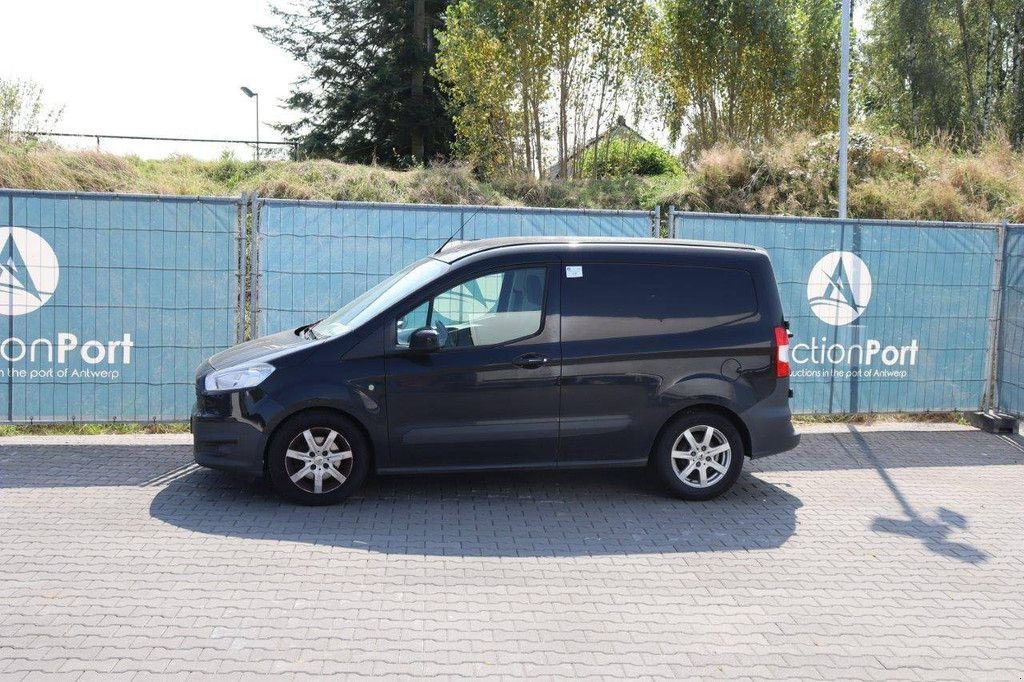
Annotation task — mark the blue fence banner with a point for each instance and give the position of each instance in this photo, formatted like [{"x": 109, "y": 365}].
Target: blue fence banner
[
  {"x": 885, "y": 316},
  {"x": 316, "y": 256},
  {"x": 109, "y": 302},
  {"x": 1011, "y": 338}
]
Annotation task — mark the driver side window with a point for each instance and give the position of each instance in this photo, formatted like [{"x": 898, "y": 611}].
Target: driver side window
[{"x": 494, "y": 308}]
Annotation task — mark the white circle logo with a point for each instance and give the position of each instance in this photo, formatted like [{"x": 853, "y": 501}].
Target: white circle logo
[
  {"x": 28, "y": 271},
  {"x": 839, "y": 288}
]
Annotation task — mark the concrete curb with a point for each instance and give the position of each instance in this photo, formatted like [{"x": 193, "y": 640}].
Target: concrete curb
[{"x": 882, "y": 426}]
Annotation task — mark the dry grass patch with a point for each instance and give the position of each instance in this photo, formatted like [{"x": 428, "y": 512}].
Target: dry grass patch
[{"x": 796, "y": 175}]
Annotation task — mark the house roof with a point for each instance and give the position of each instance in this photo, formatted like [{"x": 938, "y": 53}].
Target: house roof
[{"x": 619, "y": 129}]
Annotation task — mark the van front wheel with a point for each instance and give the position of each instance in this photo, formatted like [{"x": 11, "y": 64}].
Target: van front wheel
[
  {"x": 699, "y": 455},
  {"x": 318, "y": 458}
]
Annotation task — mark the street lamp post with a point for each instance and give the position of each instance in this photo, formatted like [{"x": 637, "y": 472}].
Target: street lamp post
[
  {"x": 844, "y": 104},
  {"x": 251, "y": 94}
]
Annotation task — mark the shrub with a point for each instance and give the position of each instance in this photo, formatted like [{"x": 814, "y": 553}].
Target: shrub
[
  {"x": 628, "y": 192},
  {"x": 618, "y": 158}
]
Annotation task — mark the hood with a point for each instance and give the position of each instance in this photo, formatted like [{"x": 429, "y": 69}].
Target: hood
[{"x": 263, "y": 348}]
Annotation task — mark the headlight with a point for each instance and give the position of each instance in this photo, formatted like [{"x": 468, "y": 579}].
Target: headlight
[{"x": 237, "y": 378}]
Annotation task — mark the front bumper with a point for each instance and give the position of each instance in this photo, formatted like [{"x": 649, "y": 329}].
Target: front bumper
[{"x": 227, "y": 444}]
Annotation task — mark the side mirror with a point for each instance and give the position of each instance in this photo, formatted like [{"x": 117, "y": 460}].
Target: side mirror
[{"x": 424, "y": 340}]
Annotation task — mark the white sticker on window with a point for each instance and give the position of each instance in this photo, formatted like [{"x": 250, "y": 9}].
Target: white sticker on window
[{"x": 573, "y": 271}]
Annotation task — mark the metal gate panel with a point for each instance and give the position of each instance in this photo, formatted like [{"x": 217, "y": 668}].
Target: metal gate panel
[
  {"x": 316, "y": 256},
  {"x": 111, "y": 301},
  {"x": 901, "y": 324},
  {"x": 1011, "y": 337}
]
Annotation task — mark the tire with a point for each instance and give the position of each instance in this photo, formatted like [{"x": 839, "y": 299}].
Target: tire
[
  {"x": 308, "y": 465},
  {"x": 693, "y": 473}
]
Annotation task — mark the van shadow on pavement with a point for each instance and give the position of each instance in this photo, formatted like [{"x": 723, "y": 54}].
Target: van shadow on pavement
[
  {"x": 572, "y": 513},
  {"x": 575, "y": 513}
]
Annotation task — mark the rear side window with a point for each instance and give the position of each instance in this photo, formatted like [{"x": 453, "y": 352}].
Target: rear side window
[{"x": 631, "y": 299}]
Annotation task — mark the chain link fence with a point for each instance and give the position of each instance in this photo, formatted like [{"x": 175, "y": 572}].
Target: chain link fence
[
  {"x": 1010, "y": 360},
  {"x": 315, "y": 256},
  {"x": 111, "y": 301},
  {"x": 886, "y": 316}
]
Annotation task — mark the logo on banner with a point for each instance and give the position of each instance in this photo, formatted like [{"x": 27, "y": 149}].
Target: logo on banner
[
  {"x": 838, "y": 291},
  {"x": 28, "y": 271},
  {"x": 839, "y": 288}
]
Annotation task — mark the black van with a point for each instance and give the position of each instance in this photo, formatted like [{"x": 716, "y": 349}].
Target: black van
[{"x": 516, "y": 354}]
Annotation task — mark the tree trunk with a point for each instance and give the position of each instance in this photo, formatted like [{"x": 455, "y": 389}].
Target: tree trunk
[
  {"x": 526, "y": 127},
  {"x": 972, "y": 103},
  {"x": 597, "y": 129},
  {"x": 538, "y": 150},
  {"x": 992, "y": 40},
  {"x": 563, "y": 121},
  {"x": 1017, "y": 80},
  {"x": 419, "y": 33}
]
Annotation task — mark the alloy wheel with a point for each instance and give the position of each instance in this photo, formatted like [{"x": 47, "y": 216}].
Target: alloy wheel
[
  {"x": 701, "y": 456},
  {"x": 318, "y": 460}
]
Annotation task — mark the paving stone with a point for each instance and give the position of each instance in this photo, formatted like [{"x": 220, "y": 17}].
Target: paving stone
[{"x": 863, "y": 555}]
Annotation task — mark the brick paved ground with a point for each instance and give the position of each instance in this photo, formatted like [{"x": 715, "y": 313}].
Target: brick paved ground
[{"x": 865, "y": 555}]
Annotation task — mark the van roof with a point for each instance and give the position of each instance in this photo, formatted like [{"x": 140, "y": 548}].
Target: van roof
[{"x": 456, "y": 250}]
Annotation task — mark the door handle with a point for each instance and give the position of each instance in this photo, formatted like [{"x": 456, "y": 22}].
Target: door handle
[{"x": 530, "y": 361}]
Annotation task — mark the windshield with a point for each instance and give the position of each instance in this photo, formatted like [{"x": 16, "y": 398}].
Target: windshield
[{"x": 378, "y": 299}]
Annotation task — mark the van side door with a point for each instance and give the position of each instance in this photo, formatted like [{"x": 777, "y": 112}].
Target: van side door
[{"x": 489, "y": 396}]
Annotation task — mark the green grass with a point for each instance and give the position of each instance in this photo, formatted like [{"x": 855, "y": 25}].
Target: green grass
[
  {"x": 874, "y": 418},
  {"x": 795, "y": 176},
  {"x": 89, "y": 429}
]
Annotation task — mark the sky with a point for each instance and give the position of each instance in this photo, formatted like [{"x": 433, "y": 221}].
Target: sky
[
  {"x": 160, "y": 69},
  {"x": 139, "y": 67}
]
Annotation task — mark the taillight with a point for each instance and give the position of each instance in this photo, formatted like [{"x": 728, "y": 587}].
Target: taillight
[{"x": 781, "y": 352}]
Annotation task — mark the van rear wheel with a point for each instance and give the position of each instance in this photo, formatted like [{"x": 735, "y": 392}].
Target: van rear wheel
[
  {"x": 699, "y": 455},
  {"x": 318, "y": 458}
]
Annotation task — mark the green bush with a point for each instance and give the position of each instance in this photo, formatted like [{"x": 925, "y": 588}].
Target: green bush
[{"x": 617, "y": 158}]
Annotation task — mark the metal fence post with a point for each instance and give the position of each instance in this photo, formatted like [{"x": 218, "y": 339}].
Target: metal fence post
[
  {"x": 10, "y": 315},
  {"x": 241, "y": 217},
  {"x": 255, "y": 276},
  {"x": 995, "y": 317},
  {"x": 672, "y": 222}
]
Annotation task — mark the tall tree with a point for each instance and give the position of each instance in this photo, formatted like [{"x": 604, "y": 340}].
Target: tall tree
[
  {"x": 743, "y": 70},
  {"x": 945, "y": 67},
  {"x": 368, "y": 94},
  {"x": 529, "y": 80},
  {"x": 495, "y": 62},
  {"x": 23, "y": 110},
  {"x": 1015, "y": 115},
  {"x": 620, "y": 37},
  {"x": 812, "y": 103},
  {"x": 571, "y": 26},
  {"x": 480, "y": 75}
]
